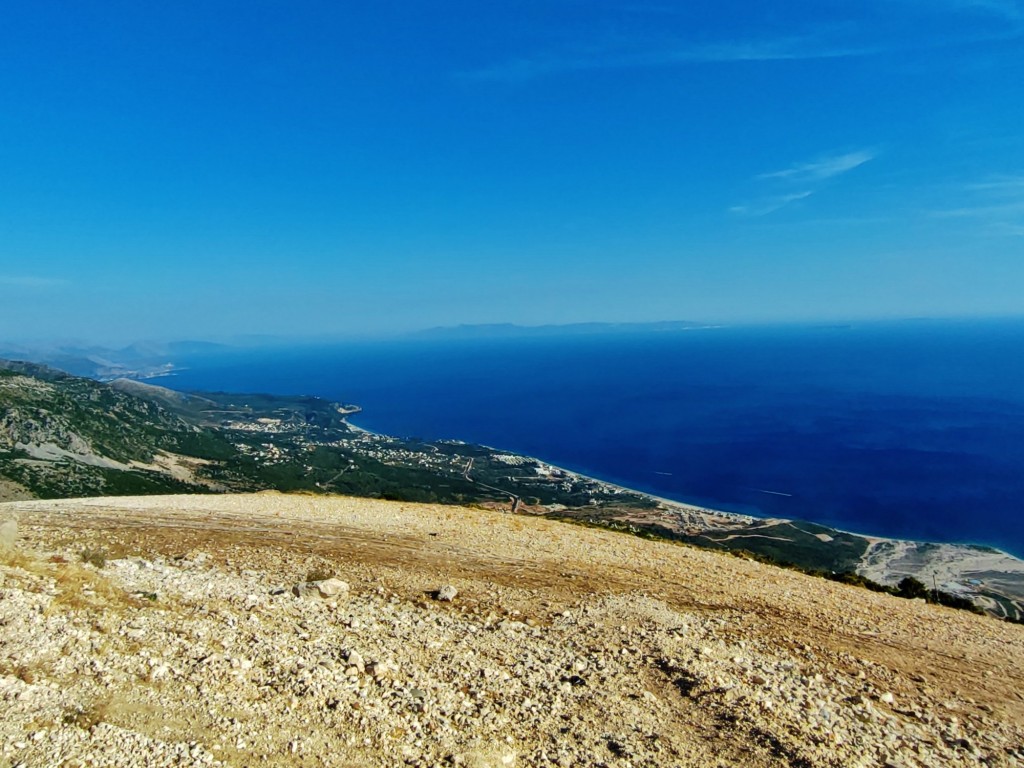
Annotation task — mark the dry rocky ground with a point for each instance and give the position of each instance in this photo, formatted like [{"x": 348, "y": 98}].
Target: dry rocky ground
[{"x": 200, "y": 642}]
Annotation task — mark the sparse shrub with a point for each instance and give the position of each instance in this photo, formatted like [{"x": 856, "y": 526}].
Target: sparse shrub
[
  {"x": 87, "y": 716},
  {"x": 94, "y": 557},
  {"x": 955, "y": 601},
  {"x": 16, "y": 558},
  {"x": 320, "y": 573},
  {"x": 911, "y": 588},
  {"x": 854, "y": 578}
]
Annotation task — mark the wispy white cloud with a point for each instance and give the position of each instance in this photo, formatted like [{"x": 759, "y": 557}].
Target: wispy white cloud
[
  {"x": 1010, "y": 10},
  {"x": 823, "y": 168},
  {"x": 1012, "y": 230},
  {"x": 768, "y": 205},
  {"x": 982, "y": 211},
  {"x": 826, "y": 42},
  {"x": 30, "y": 281},
  {"x": 800, "y": 181},
  {"x": 784, "y": 49},
  {"x": 793, "y": 48},
  {"x": 1003, "y": 184},
  {"x": 997, "y": 203}
]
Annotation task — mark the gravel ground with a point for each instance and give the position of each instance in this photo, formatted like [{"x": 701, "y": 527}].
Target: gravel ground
[{"x": 294, "y": 630}]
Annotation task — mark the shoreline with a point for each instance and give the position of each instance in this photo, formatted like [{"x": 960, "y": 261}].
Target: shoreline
[
  {"x": 331, "y": 375},
  {"x": 990, "y": 577},
  {"x": 872, "y": 539},
  {"x": 361, "y": 430},
  {"x": 740, "y": 517}
]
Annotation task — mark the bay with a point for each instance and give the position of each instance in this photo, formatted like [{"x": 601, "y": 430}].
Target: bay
[{"x": 910, "y": 430}]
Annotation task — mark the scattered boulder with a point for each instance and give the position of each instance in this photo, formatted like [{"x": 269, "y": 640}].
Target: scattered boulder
[
  {"x": 447, "y": 593},
  {"x": 326, "y": 588},
  {"x": 305, "y": 589},
  {"x": 332, "y": 587}
]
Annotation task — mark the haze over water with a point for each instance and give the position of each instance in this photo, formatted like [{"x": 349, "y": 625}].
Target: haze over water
[{"x": 911, "y": 430}]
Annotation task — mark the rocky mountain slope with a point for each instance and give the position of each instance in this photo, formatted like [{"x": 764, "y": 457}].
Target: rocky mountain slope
[
  {"x": 62, "y": 435},
  {"x": 289, "y": 630},
  {"x": 66, "y": 436}
]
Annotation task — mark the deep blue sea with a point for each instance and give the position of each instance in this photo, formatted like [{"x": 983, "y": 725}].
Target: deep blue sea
[{"x": 911, "y": 429}]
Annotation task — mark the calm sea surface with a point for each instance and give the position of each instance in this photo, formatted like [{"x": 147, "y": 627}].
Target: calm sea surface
[{"x": 910, "y": 429}]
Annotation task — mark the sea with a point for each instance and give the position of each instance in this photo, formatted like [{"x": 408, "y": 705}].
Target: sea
[{"x": 911, "y": 429}]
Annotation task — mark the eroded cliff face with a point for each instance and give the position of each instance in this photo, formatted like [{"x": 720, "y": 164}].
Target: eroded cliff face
[{"x": 286, "y": 630}]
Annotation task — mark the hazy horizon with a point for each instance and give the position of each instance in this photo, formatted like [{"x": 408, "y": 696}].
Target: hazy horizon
[{"x": 467, "y": 331}]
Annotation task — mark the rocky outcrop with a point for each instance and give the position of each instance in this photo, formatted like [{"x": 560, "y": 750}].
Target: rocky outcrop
[{"x": 19, "y": 430}]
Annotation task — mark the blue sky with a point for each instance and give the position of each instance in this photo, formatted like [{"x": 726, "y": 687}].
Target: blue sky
[{"x": 187, "y": 169}]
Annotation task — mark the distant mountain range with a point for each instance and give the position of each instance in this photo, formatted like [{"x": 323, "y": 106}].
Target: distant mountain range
[
  {"x": 150, "y": 359},
  {"x": 141, "y": 360},
  {"x": 510, "y": 330}
]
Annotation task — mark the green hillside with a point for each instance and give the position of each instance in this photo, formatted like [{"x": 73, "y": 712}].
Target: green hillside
[{"x": 63, "y": 436}]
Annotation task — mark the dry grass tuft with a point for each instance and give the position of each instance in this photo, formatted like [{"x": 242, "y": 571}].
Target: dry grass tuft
[
  {"x": 79, "y": 588},
  {"x": 15, "y": 558},
  {"x": 26, "y": 674}
]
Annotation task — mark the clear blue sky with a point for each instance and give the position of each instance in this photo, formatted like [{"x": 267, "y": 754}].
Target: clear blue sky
[{"x": 201, "y": 169}]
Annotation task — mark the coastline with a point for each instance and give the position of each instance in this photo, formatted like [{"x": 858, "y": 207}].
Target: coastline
[
  {"x": 752, "y": 519},
  {"x": 685, "y": 423},
  {"x": 360, "y": 430},
  {"x": 886, "y": 559},
  {"x": 318, "y": 448},
  {"x": 991, "y": 577},
  {"x": 872, "y": 539},
  {"x": 988, "y": 576}
]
